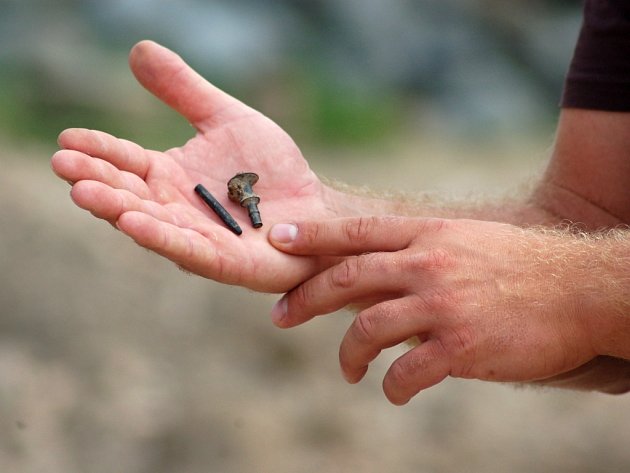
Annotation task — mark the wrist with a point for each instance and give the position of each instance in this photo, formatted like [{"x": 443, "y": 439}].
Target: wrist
[
  {"x": 587, "y": 178},
  {"x": 561, "y": 204},
  {"x": 610, "y": 313}
]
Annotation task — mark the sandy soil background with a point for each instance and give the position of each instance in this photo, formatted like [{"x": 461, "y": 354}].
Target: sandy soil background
[{"x": 112, "y": 360}]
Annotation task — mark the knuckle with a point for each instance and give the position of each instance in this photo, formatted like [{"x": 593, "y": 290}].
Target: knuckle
[
  {"x": 431, "y": 260},
  {"x": 460, "y": 340},
  {"x": 299, "y": 297},
  {"x": 459, "y": 344},
  {"x": 362, "y": 328},
  {"x": 438, "y": 258},
  {"x": 346, "y": 273},
  {"x": 100, "y": 142},
  {"x": 436, "y": 225},
  {"x": 424, "y": 367},
  {"x": 401, "y": 374},
  {"x": 309, "y": 233},
  {"x": 358, "y": 230},
  {"x": 379, "y": 263},
  {"x": 440, "y": 302}
]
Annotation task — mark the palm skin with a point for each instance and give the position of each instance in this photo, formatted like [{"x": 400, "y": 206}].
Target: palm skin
[{"x": 149, "y": 195}]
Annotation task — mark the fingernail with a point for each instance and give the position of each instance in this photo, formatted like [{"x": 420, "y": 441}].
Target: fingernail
[
  {"x": 279, "y": 311},
  {"x": 283, "y": 232}
]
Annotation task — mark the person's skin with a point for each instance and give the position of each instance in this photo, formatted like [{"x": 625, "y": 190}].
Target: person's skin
[
  {"x": 487, "y": 300},
  {"x": 149, "y": 196},
  {"x": 587, "y": 178}
]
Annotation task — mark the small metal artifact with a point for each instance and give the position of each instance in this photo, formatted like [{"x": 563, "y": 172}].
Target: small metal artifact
[
  {"x": 240, "y": 190},
  {"x": 214, "y": 204}
]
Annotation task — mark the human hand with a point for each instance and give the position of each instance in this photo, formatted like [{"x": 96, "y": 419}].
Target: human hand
[
  {"x": 149, "y": 195},
  {"x": 487, "y": 300}
]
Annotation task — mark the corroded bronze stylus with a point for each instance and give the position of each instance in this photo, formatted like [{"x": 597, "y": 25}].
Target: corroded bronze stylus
[{"x": 214, "y": 204}]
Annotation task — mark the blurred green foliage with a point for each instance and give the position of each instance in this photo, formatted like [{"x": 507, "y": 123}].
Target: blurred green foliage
[
  {"x": 30, "y": 111},
  {"x": 330, "y": 74},
  {"x": 341, "y": 116},
  {"x": 321, "y": 111}
]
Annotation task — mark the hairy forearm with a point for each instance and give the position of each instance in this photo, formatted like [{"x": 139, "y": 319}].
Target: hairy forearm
[
  {"x": 586, "y": 183},
  {"x": 520, "y": 210}
]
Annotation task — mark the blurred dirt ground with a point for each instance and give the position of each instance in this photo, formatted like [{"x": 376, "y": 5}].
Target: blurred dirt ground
[{"x": 112, "y": 360}]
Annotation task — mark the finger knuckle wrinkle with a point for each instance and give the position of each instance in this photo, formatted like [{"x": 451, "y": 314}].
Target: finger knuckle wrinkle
[
  {"x": 458, "y": 342},
  {"x": 100, "y": 142},
  {"x": 401, "y": 373},
  {"x": 460, "y": 345},
  {"x": 126, "y": 152},
  {"x": 300, "y": 296},
  {"x": 363, "y": 329},
  {"x": 189, "y": 251},
  {"x": 309, "y": 233},
  {"x": 346, "y": 274},
  {"x": 358, "y": 230}
]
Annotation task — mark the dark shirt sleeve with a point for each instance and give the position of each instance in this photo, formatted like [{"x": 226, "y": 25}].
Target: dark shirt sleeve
[{"x": 599, "y": 76}]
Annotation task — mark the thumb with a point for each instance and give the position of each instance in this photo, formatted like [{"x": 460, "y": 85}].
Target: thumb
[{"x": 168, "y": 77}]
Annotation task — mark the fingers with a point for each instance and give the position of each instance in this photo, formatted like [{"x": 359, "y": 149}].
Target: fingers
[
  {"x": 74, "y": 166},
  {"x": 377, "y": 328},
  {"x": 122, "y": 154},
  {"x": 184, "y": 247},
  {"x": 391, "y": 267},
  {"x": 108, "y": 203},
  {"x": 370, "y": 278},
  {"x": 385, "y": 325},
  {"x": 169, "y": 78},
  {"x": 420, "y": 368},
  {"x": 355, "y": 279},
  {"x": 202, "y": 254},
  {"x": 350, "y": 236}
]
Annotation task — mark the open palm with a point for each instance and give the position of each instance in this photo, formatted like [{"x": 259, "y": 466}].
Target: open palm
[{"x": 149, "y": 195}]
